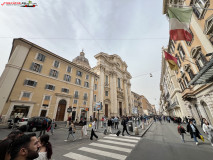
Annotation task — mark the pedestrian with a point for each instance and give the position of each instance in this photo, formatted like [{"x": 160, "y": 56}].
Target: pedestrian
[
  {"x": 208, "y": 129},
  {"x": 45, "y": 150},
  {"x": 93, "y": 130},
  {"x": 25, "y": 147},
  {"x": 113, "y": 122},
  {"x": 194, "y": 132},
  {"x": 116, "y": 122},
  {"x": 109, "y": 124},
  {"x": 102, "y": 122},
  {"x": 181, "y": 131},
  {"x": 15, "y": 122},
  {"x": 123, "y": 123},
  {"x": 68, "y": 121},
  {"x": 52, "y": 126},
  {"x": 202, "y": 121},
  {"x": 43, "y": 126},
  {"x": 5, "y": 144},
  {"x": 84, "y": 128},
  {"x": 71, "y": 131}
]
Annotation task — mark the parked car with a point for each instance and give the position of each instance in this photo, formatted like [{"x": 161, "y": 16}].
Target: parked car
[
  {"x": 21, "y": 122},
  {"x": 35, "y": 123}
]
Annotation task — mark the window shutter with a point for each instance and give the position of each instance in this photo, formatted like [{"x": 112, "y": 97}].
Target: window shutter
[
  {"x": 31, "y": 68},
  {"x": 40, "y": 68},
  {"x": 51, "y": 72},
  {"x": 53, "y": 88},
  {"x": 198, "y": 65},
  {"x": 43, "y": 58},
  {"x": 57, "y": 74},
  {"x": 203, "y": 58},
  {"x": 25, "y": 82},
  {"x": 79, "y": 82},
  {"x": 65, "y": 77},
  {"x": 35, "y": 83}
]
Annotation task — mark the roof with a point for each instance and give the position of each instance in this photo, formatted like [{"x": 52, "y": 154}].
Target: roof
[{"x": 205, "y": 75}]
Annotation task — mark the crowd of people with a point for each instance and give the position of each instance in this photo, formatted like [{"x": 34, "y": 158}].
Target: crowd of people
[{"x": 20, "y": 146}]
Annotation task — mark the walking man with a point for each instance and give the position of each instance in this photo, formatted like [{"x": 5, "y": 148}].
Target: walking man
[
  {"x": 43, "y": 126},
  {"x": 116, "y": 122},
  {"x": 124, "y": 121},
  {"x": 181, "y": 131},
  {"x": 194, "y": 132}
]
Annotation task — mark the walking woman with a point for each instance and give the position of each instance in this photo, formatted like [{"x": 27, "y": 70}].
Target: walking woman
[
  {"x": 45, "y": 151},
  {"x": 93, "y": 130},
  {"x": 71, "y": 131},
  {"x": 181, "y": 131},
  {"x": 208, "y": 129},
  {"x": 194, "y": 132}
]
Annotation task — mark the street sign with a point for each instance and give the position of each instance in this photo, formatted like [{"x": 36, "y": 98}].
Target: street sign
[
  {"x": 69, "y": 109},
  {"x": 98, "y": 106}
]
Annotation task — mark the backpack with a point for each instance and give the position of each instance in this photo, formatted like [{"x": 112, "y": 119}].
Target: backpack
[
  {"x": 182, "y": 130},
  {"x": 45, "y": 122}
]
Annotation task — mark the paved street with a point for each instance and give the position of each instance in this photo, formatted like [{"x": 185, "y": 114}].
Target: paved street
[{"x": 162, "y": 142}]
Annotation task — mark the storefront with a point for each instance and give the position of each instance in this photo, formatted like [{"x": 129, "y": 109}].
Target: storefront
[{"x": 20, "y": 111}]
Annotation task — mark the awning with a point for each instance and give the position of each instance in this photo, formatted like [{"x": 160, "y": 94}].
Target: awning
[{"x": 204, "y": 76}]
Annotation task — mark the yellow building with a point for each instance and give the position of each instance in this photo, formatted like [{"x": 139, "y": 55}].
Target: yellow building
[
  {"x": 195, "y": 59},
  {"x": 37, "y": 82},
  {"x": 136, "y": 104}
]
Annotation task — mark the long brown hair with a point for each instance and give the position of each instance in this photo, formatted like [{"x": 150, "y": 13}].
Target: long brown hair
[{"x": 45, "y": 142}]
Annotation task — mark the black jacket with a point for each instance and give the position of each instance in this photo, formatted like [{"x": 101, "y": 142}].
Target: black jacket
[{"x": 189, "y": 129}]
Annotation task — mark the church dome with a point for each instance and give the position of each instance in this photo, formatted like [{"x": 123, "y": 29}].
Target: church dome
[{"x": 81, "y": 60}]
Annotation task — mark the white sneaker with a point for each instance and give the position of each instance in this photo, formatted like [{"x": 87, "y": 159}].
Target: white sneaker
[
  {"x": 212, "y": 144},
  {"x": 65, "y": 140},
  {"x": 196, "y": 143}
]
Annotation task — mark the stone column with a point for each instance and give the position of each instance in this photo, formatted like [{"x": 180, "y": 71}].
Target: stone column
[
  {"x": 101, "y": 85},
  {"x": 111, "y": 93},
  {"x": 91, "y": 97},
  {"x": 114, "y": 93},
  {"x": 126, "y": 97}
]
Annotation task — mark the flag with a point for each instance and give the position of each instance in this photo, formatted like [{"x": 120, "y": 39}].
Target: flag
[
  {"x": 179, "y": 20},
  {"x": 171, "y": 60}
]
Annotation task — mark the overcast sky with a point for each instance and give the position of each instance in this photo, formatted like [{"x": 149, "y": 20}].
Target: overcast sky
[{"x": 135, "y": 30}]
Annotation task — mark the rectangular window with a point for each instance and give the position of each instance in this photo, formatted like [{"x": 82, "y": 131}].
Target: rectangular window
[
  {"x": 85, "y": 96},
  {"x": 47, "y": 98},
  {"x": 94, "y": 98},
  {"x": 86, "y": 84},
  {"x": 76, "y": 94},
  {"x": 41, "y": 57},
  {"x": 26, "y": 94},
  {"x": 106, "y": 93},
  {"x": 36, "y": 67},
  {"x": 181, "y": 52},
  {"x": 65, "y": 90},
  {"x": 95, "y": 86},
  {"x": 67, "y": 78},
  {"x": 54, "y": 73},
  {"x": 56, "y": 64},
  {"x": 79, "y": 73},
  {"x": 50, "y": 87},
  {"x": 85, "y": 103},
  {"x": 119, "y": 83},
  {"x": 30, "y": 83},
  {"x": 87, "y": 76},
  {"x": 185, "y": 81},
  {"x": 69, "y": 69},
  {"x": 78, "y": 81},
  {"x": 75, "y": 101},
  {"x": 106, "y": 80}
]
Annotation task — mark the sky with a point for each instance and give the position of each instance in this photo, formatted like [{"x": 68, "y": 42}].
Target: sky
[{"x": 136, "y": 30}]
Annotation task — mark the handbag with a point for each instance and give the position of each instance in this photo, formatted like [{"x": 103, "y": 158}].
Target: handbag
[
  {"x": 201, "y": 137},
  {"x": 90, "y": 125}
]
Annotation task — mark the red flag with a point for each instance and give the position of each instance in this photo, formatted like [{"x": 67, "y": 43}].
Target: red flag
[{"x": 171, "y": 60}]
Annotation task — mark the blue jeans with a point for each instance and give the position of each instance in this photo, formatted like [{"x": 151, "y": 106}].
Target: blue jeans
[{"x": 194, "y": 136}]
